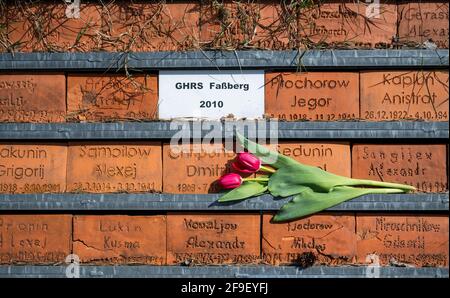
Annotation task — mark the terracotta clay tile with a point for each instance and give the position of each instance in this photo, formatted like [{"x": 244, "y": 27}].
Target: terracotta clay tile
[
  {"x": 146, "y": 27},
  {"x": 331, "y": 157},
  {"x": 213, "y": 239},
  {"x": 318, "y": 239},
  {"x": 32, "y": 168},
  {"x": 422, "y": 166},
  {"x": 194, "y": 168},
  {"x": 35, "y": 239},
  {"x": 34, "y": 97},
  {"x": 112, "y": 97},
  {"x": 114, "y": 167},
  {"x": 45, "y": 26},
  {"x": 423, "y": 21},
  {"x": 120, "y": 239},
  {"x": 404, "y": 95},
  {"x": 403, "y": 240},
  {"x": 349, "y": 24},
  {"x": 322, "y": 96}
]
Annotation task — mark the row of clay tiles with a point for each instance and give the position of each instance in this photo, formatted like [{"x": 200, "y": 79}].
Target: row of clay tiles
[
  {"x": 188, "y": 25},
  {"x": 290, "y": 96},
  {"x": 145, "y": 166},
  {"x": 220, "y": 238}
]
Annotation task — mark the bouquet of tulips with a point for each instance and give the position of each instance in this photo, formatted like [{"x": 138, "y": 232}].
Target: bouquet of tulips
[{"x": 313, "y": 188}]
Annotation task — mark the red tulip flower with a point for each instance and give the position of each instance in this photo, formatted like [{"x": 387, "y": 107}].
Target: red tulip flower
[
  {"x": 246, "y": 163},
  {"x": 231, "y": 180}
]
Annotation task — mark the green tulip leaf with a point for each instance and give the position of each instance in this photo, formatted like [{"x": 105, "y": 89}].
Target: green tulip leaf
[
  {"x": 267, "y": 156},
  {"x": 246, "y": 190},
  {"x": 294, "y": 174},
  {"x": 309, "y": 202},
  {"x": 293, "y": 179}
]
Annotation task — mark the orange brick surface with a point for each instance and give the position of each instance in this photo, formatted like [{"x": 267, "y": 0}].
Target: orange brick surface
[
  {"x": 318, "y": 239},
  {"x": 349, "y": 24},
  {"x": 423, "y": 166},
  {"x": 189, "y": 25},
  {"x": 3, "y": 27},
  {"x": 112, "y": 167},
  {"x": 112, "y": 26},
  {"x": 331, "y": 157},
  {"x": 32, "y": 168},
  {"x": 120, "y": 239},
  {"x": 47, "y": 26},
  {"x": 404, "y": 95},
  {"x": 112, "y": 97},
  {"x": 150, "y": 26},
  {"x": 277, "y": 28},
  {"x": 251, "y": 24},
  {"x": 35, "y": 239},
  {"x": 412, "y": 239},
  {"x": 33, "y": 97},
  {"x": 423, "y": 21},
  {"x": 213, "y": 238},
  {"x": 323, "y": 96},
  {"x": 194, "y": 168}
]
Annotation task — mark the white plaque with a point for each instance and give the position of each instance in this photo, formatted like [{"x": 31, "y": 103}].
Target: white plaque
[{"x": 211, "y": 94}]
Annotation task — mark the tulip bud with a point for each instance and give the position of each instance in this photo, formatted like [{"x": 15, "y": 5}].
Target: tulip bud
[
  {"x": 246, "y": 163},
  {"x": 231, "y": 180}
]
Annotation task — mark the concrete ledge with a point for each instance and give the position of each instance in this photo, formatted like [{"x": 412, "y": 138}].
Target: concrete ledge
[
  {"x": 435, "y": 202},
  {"x": 309, "y": 60},
  {"x": 219, "y": 272},
  {"x": 286, "y": 130}
]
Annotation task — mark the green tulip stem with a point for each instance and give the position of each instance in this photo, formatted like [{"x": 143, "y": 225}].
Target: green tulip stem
[
  {"x": 386, "y": 190},
  {"x": 362, "y": 182},
  {"x": 260, "y": 179},
  {"x": 266, "y": 169}
]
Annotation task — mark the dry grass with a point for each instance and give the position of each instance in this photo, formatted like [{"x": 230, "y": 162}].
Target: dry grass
[
  {"x": 137, "y": 26},
  {"x": 220, "y": 25},
  {"x": 124, "y": 91}
]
